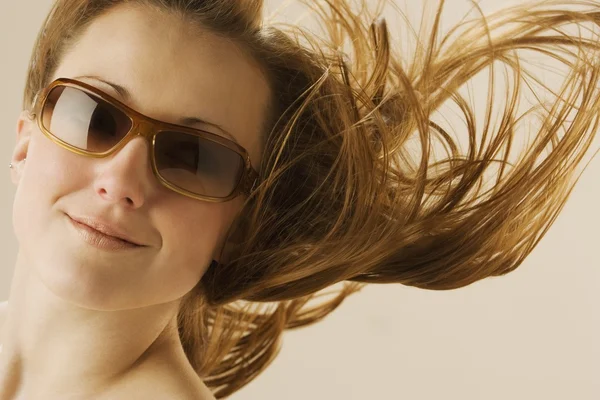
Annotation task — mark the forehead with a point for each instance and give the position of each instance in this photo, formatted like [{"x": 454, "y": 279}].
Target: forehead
[{"x": 173, "y": 71}]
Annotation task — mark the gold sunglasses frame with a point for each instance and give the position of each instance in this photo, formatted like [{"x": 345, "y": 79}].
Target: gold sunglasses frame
[{"x": 142, "y": 125}]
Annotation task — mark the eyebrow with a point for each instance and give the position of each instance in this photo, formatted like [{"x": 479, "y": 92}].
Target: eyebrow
[{"x": 126, "y": 94}]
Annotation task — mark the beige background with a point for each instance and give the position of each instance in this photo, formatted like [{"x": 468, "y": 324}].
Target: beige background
[{"x": 534, "y": 334}]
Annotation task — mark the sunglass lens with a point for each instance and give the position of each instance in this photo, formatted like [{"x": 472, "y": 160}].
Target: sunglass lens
[
  {"x": 197, "y": 164},
  {"x": 83, "y": 120}
]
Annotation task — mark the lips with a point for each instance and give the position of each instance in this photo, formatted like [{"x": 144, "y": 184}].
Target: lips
[{"x": 106, "y": 230}]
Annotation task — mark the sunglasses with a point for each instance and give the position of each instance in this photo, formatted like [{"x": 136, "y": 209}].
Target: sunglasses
[{"x": 198, "y": 164}]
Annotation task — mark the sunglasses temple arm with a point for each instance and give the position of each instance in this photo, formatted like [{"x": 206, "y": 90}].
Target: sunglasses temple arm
[
  {"x": 32, "y": 112},
  {"x": 250, "y": 182}
]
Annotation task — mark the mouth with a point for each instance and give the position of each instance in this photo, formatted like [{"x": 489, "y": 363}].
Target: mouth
[{"x": 102, "y": 236}]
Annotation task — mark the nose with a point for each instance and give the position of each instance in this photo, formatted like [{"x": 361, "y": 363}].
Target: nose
[{"x": 125, "y": 178}]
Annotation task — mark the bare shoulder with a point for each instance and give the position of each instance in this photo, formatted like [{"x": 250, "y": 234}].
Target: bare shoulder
[
  {"x": 182, "y": 392},
  {"x": 3, "y": 311},
  {"x": 178, "y": 380},
  {"x": 161, "y": 390},
  {"x": 182, "y": 388},
  {"x": 162, "y": 384},
  {"x": 165, "y": 388}
]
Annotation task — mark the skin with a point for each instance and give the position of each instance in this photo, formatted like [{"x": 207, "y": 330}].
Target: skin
[{"x": 88, "y": 323}]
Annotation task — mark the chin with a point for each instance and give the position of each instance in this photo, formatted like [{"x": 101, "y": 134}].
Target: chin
[{"x": 60, "y": 265}]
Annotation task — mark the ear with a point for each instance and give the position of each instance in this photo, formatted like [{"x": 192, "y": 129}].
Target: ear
[{"x": 25, "y": 125}]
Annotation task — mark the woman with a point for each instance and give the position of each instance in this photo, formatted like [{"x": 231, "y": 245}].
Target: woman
[{"x": 188, "y": 178}]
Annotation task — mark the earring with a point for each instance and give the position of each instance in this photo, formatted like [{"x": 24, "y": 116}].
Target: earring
[{"x": 12, "y": 166}]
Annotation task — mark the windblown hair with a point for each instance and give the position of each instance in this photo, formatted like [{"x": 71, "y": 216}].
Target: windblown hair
[{"x": 341, "y": 197}]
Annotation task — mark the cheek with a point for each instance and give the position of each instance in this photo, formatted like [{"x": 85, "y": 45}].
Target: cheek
[
  {"x": 50, "y": 170},
  {"x": 194, "y": 232},
  {"x": 48, "y": 174}
]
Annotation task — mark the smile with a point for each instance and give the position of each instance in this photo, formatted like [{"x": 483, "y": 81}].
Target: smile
[{"x": 101, "y": 240}]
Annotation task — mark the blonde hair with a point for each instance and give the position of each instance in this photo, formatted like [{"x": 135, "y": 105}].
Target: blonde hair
[{"x": 341, "y": 199}]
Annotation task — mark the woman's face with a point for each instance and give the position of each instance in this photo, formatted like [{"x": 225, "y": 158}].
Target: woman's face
[{"x": 171, "y": 72}]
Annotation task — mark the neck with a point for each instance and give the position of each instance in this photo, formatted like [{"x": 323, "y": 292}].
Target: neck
[{"x": 55, "y": 348}]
